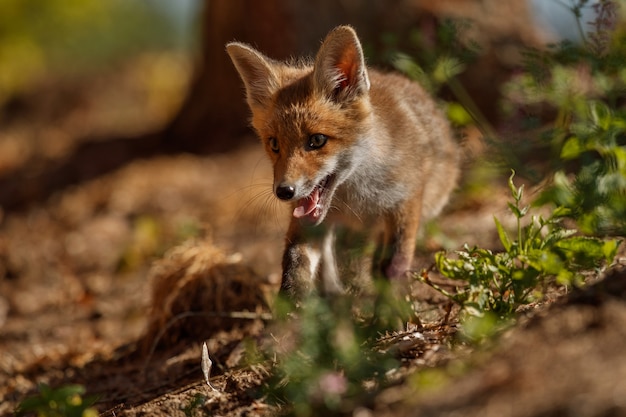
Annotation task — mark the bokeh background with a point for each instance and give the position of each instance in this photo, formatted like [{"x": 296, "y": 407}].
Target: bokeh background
[{"x": 124, "y": 134}]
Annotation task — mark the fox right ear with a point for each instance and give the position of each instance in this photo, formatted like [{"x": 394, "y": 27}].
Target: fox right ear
[{"x": 256, "y": 71}]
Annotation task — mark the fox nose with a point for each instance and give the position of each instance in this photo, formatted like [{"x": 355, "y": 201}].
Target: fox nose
[{"x": 285, "y": 191}]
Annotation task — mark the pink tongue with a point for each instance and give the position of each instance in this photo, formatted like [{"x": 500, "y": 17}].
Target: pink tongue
[{"x": 307, "y": 205}]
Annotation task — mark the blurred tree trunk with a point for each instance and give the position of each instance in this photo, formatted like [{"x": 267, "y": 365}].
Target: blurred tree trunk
[{"x": 213, "y": 117}]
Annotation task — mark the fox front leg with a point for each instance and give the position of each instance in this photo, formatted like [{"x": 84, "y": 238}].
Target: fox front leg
[
  {"x": 301, "y": 260},
  {"x": 309, "y": 254}
]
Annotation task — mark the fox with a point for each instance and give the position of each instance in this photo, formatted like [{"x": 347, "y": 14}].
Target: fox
[{"x": 349, "y": 144}]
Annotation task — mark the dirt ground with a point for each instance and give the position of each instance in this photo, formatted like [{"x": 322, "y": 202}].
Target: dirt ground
[{"x": 115, "y": 283}]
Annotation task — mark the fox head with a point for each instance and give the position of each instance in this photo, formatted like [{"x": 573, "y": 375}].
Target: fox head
[{"x": 312, "y": 119}]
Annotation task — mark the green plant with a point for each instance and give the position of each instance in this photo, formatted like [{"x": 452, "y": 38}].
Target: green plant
[
  {"x": 65, "y": 401},
  {"x": 495, "y": 284},
  {"x": 584, "y": 142}
]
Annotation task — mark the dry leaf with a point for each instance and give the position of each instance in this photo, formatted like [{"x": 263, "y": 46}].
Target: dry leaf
[{"x": 206, "y": 366}]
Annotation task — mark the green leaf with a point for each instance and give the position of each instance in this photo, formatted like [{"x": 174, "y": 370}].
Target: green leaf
[
  {"x": 504, "y": 237},
  {"x": 589, "y": 252},
  {"x": 560, "y": 212},
  {"x": 517, "y": 212},
  {"x": 610, "y": 248},
  {"x": 572, "y": 148},
  {"x": 544, "y": 261}
]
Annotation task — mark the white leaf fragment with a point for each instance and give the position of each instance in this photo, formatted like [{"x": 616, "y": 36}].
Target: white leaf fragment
[{"x": 206, "y": 366}]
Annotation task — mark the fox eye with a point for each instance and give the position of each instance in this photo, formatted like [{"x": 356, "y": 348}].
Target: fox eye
[
  {"x": 273, "y": 142},
  {"x": 317, "y": 140}
]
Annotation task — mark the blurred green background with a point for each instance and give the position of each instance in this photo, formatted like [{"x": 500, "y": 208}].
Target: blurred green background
[{"x": 40, "y": 39}]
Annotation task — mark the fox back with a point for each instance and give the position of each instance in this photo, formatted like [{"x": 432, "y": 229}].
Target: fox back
[{"x": 348, "y": 140}]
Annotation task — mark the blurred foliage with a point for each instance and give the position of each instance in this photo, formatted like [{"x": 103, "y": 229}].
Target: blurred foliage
[
  {"x": 435, "y": 61},
  {"x": 65, "y": 401},
  {"x": 328, "y": 359},
  {"x": 40, "y": 38},
  {"x": 565, "y": 111},
  {"x": 573, "y": 97},
  {"x": 436, "y": 58}
]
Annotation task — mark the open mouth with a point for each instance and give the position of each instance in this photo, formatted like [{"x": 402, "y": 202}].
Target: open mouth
[{"x": 315, "y": 205}]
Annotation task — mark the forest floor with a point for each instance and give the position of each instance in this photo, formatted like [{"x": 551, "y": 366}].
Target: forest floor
[{"x": 98, "y": 283}]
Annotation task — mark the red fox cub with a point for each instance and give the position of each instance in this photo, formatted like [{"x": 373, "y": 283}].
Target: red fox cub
[{"x": 347, "y": 143}]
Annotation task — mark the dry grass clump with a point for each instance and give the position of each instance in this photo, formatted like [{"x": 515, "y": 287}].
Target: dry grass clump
[{"x": 197, "y": 290}]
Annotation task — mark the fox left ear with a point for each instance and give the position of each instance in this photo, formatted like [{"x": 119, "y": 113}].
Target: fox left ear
[
  {"x": 340, "y": 70},
  {"x": 257, "y": 72}
]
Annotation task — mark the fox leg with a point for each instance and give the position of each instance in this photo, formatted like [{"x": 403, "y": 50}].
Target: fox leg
[
  {"x": 309, "y": 252},
  {"x": 300, "y": 262},
  {"x": 402, "y": 228}
]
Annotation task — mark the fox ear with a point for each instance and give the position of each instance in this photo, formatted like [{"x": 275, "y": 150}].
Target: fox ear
[
  {"x": 256, "y": 71},
  {"x": 340, "y": 70}
]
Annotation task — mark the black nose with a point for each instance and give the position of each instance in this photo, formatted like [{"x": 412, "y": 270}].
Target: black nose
[{"x": 285, "y": 191}]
